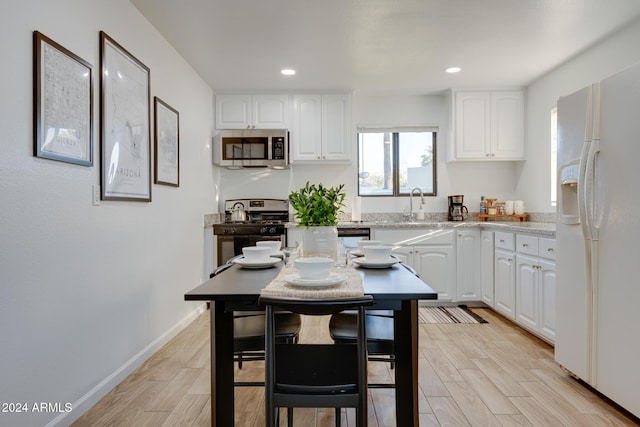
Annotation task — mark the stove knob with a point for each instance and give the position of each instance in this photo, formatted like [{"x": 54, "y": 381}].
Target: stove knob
[
  {"x": 272, "y": 230},
  {"x": 263, "y": 230}
]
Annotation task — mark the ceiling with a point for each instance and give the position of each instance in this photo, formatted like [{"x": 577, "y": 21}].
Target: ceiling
[{"x": 381, "y": 46}]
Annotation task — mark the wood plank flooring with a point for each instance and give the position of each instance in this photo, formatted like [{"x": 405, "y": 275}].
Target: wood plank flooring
[{"x": 493, "y": 374}]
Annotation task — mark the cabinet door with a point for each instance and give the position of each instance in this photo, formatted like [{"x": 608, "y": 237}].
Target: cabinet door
[
  {"x": 547, "y": 272},
  {"x": 527, "y": 302},
  {"x": 507, "y": 125},
  {"x": 270, "y": 111},
  {"x": 486, "y": 267},
  {"x": 404, "y": 254},
  {"x": 335, "y": 127},
  {"x": 505, "y": 283},
  {"x": 306, "y": 137},
  {"x": 436, "y": 267},
  {"x": 468, "y": 265},
  {"x": 472, "y": 125},
  {"x": 233, "y": 111}
]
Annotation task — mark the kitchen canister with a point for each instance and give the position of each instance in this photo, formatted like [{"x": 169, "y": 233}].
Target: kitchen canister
[
  {"x": 518, "y": 207},
  {"x": 508, "y": 207}
]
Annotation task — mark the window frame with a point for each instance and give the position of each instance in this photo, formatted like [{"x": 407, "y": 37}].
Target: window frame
[{"x": 395, "y": 158}]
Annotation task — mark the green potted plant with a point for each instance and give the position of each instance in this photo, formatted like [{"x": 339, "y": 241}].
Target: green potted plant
[{"x": 317, "y": 208}]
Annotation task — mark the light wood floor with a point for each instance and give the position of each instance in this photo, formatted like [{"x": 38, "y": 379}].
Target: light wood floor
[{"x": 491, "y": 374}]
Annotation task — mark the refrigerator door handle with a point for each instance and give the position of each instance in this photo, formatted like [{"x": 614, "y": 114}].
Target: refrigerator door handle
[
  {"x": 592, "y": 209},
  {"x": 588, "y": 136},
  {"x": 581, "y": 191}
]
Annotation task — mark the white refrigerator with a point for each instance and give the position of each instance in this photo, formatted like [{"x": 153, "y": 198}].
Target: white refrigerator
[{"x": 598, "y": 237}]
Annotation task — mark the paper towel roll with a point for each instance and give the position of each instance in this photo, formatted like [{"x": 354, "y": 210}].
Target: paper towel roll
[
  {"x": 356, "y": 209},
  {"x": 518, "y": 207}
]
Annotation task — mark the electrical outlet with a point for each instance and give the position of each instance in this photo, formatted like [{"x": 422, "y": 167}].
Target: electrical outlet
[{"x": 96, "y": 195}]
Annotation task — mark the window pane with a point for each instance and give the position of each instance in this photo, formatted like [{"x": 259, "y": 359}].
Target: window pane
[
  {"x": 415, "y": 158},
  {"x": 375, "y": 158}
]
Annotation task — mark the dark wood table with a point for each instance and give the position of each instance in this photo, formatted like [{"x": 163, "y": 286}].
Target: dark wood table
[{"x": 236, "y": 289}]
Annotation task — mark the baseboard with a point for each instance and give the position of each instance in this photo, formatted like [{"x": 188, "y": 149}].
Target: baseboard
[{"x": 92, "y": 397}]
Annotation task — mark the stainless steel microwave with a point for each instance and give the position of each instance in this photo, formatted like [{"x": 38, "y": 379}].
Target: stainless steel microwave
[{"x": 252, "y": 148}]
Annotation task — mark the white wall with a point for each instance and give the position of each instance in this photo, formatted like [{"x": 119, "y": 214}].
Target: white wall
[
  {"x": 606, "y": 58},
  {"x": 88, "y": 292}
]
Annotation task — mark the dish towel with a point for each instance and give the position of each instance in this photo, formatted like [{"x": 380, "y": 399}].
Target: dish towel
[{"x": 351, "y": 287}]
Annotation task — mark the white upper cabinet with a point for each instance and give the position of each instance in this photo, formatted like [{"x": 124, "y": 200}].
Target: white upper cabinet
[
  {"x": 321, "y": 128},
  {"x": 487, "y": 125},
  {"x": 252, "y": 111}
]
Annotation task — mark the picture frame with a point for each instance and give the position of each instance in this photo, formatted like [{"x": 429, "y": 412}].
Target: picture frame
[
  {"x": 166, "y": 143},
  {"x": 62, "y": 103},
  {"x": 125, "y": 139}
]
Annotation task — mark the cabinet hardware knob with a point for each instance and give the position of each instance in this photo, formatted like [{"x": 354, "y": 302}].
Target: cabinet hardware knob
[
  {"x": 549, "y": 249},
  {"x": 524, "y": 245},
  {"x": 501, "y": 240}
]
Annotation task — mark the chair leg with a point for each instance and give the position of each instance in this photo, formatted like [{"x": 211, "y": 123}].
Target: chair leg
[
  {"x": 338, "y": 417},
  {"x": 240, "y": 360},
  {"x": 290, "y": 417}
]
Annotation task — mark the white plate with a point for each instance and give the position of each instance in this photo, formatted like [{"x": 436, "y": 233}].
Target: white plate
[
  {"x": 332, "y": 280},
  {"x": 364, "y": 262},
  {"x": 258, "y": 264}
]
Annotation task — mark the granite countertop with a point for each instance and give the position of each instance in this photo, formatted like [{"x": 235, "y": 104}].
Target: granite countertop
[{"x": 541, "y": 228}]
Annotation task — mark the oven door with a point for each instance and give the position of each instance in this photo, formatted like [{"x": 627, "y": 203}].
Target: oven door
[{"x": 230, "y": 246}]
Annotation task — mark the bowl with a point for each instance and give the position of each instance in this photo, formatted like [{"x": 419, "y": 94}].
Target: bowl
[
  {"x": 377, "y": 253},
  {"x": 314, "y": 267},
  {"x": 363, "y": 243},
  {"x": 256, "y": 253},
  {"x": 275, "y": 245}
]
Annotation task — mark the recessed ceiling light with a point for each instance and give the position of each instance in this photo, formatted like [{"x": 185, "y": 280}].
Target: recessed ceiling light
[
  {"x": 288, "y": 72},
  {"x": 452, "y": 70}
]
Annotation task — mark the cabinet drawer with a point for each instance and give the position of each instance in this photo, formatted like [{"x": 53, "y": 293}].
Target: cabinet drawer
[
  {"x": 408, "y": 237},
  {"x": 547, "y": 248},
  {"x": 504, "y": 240},
  {"x": 527, "y": 244}
]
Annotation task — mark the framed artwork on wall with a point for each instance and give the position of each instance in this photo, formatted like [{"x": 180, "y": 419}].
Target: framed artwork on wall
[
  {"x": 62, "y": 103},
  {"x": 167, "y": 144},
  {"x": 125, "y": 140}
]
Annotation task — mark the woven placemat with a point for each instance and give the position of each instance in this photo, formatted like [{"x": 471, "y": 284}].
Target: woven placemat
[{"x": 351, "y": 287}]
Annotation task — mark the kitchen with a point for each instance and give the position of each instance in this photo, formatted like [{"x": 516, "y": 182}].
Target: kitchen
[{"x": 90, "y": 292}]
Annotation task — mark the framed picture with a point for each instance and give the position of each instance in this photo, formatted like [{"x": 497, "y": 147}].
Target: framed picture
[
  {"x": 167, "y": 144},
  {"x": 62, "y": 103},
  {"x": 125, "y": 140}
]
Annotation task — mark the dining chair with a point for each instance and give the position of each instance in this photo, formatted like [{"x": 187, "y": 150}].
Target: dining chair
[
  {"x": 315, "y": 375},
  {"x": 380, "y": 333},
  {"x": 249, "y": 327}
]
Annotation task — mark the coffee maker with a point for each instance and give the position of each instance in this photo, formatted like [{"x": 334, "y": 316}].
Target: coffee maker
[{"x": 457, "y": 211}]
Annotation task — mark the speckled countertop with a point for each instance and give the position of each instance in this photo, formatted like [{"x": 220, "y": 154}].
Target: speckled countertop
[{"x": 540, "y": 228}]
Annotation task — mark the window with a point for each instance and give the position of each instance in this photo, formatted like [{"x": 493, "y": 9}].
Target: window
[
  {"x": 554, "y": 154},
  {"x": 391, "y": 162}
]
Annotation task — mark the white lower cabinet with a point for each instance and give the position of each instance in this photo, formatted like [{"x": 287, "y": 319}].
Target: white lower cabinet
[
  {"x": 468, "y": 276},
  {"x": 486, "y": 267},
  {"x": 505, "y": 275},
  {"x": 436, "y": 267},
  {"x": 430, "y": 252},
  {"x": 536, "y": 285}
]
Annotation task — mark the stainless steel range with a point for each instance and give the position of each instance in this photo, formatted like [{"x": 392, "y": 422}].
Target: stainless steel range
[{"x": 263, "y": 219}]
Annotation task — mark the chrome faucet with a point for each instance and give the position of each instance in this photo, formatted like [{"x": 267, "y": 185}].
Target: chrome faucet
[{"x": 411, "y": 200}]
